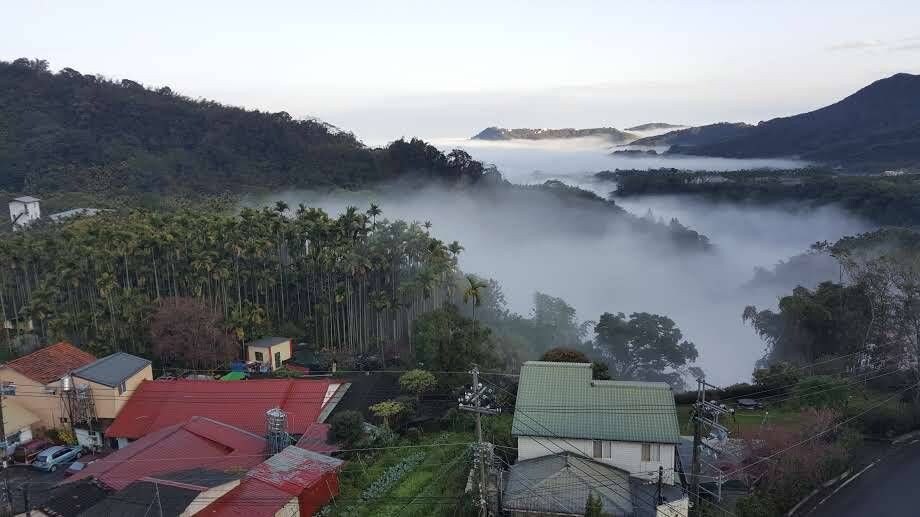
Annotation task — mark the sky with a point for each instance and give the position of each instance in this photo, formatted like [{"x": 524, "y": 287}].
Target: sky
[{"x": 447, "y": 69}]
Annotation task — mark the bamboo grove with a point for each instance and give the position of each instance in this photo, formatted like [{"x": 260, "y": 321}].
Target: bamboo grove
[{"x": 353, "y": 283}]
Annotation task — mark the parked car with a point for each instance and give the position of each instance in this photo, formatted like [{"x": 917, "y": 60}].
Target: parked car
[
  {"x": 55, "y": 457},
  {"x": 750, "y": 404}
]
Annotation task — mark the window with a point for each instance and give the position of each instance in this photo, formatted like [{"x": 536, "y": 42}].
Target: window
[
  {"x": 259, "y": 357},
  {"x": 651, "y": 452},
  {"x": 122, "y": 388},
  {"x": 8, "y": 388},
  {"x": 603, "y": 449},
  {"x": 277, "y": 359}
]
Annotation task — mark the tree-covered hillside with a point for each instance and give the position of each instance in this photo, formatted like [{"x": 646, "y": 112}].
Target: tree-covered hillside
[{"x": 76, "y": 132}]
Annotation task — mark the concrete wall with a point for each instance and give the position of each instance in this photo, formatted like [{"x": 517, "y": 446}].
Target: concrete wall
[
  {"x": 47, "y": 406},
  {"x": 674, "y": 509},
  {"x": 625, "y": 455},
  {"x": 268, "y": 353}
]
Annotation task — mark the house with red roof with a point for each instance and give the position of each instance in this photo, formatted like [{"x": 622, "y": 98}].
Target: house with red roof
[
  {"x": 33, "y": 381},
  {"x": 242, "y": 404},
  {"x": 206, "y": 467},
  {"x": 293, "y": 482}
]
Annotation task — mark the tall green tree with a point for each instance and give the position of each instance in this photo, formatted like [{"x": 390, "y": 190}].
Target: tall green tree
[{"x": 645, "y": 346}]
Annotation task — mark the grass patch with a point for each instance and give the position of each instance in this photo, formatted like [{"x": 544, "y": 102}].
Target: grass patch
[
  {"x": 744, "y": 422},
  {"x": 432, "y": 487}
]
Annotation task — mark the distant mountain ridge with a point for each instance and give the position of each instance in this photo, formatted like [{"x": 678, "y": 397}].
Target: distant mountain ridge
[
  {"x": 879, "y": 124},
  {"x": 653, "y": 126},
  {"x": 499, "y": 133},
  {"x": 699, "y": 135}
]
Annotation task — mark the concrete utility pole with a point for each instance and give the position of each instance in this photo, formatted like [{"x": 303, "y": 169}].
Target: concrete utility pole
[
  {"x": 472, "y": 401},
  {"x": 701, "y": 410}
]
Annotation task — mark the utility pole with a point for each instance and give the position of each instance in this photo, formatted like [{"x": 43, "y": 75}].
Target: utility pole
[
  {"x": 473, "y": 401},
  {"x": 701, "y": 412},
  {"x": 697, "y": 441},
  {"x": 658, "y": 499},
  {"x": 25, "y": 496}
]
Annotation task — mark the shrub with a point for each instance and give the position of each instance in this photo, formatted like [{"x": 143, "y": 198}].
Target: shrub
[
  {"x": 417, "y": 382},
  {"x": 821, "y": 392},
  {"x": 386, "y": 410},
  {"x": 347, "y": 428}
]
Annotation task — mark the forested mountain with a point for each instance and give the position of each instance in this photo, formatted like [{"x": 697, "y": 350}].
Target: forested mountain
[
  {"x": 651, "y": 126},
  {"x": 699, "y": 135},
  {"x": 74, "y": 132},
  {"x": 878, "y": 124},
  {"x": 500, "y": 133}
]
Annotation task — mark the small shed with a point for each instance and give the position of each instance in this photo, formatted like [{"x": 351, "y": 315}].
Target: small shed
[{"x": 271, "y": 351}]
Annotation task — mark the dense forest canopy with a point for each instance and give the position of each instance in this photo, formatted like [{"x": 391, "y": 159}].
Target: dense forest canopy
[
  {"x": 78, "y": 132},
  {"x": 888, "y": 200},
  {"x": 352, "y": 283}
]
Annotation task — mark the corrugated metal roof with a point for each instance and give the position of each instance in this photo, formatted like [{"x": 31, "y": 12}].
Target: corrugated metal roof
[
  {"x": 197, "y": 443},
  {"x": 49, "y": 364},
  {"x": 113, "y": 369},
  {"x": 315, "y": 439},
  {"x": 158, "y": 404},
  {"x": 561, "y": 400},
  {"x": 239, "y": 502},
  {"x": 26, "y": 199},
  {"x": 294, "y": 469},
  {"x": 560, "y": 484},
  {"x": 269, "y": 341}
]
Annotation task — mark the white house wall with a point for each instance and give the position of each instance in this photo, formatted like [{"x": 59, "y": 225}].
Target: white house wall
[{"x": 626, "y": 455}]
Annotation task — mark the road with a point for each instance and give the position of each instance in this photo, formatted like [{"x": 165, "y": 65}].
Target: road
[{"x": 887, "y": 487}]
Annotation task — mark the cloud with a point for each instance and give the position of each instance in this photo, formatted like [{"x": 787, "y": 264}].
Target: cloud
[
  {"x": 857, "y": 45},
  {"x": 908, "y": 43},
  {"x": 908, "y": 46}
]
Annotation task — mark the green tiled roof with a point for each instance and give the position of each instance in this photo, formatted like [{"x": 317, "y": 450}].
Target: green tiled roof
[{"x": 561, "y": 400}]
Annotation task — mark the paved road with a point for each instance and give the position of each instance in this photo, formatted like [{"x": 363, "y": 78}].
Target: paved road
[{"x": 888, "y": 487}]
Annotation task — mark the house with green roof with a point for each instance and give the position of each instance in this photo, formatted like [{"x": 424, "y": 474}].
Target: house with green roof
[{"x": 629, "y": 426}]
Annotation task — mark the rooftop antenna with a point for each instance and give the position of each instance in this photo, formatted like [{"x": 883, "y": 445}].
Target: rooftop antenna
[{"x": 276, "y": 422}]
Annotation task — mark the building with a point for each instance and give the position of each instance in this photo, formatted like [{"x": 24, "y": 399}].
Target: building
[
  {"x": 208, "y": 468},
  {"x": 24, "y": 211},
  {"x": 293, "y": 482},
  {"x": 243, "y": 404},
  {"x": 625, "y": 430},
  {"x": 111, "y": 381},
  {"x": 33, "y": 381},
  {"x": 18, "y": 424},
  {"x": 270, "y": 351},
  {"x": 559, "y": 484}
]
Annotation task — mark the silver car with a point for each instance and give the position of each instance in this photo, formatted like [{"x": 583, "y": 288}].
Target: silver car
[{"x": 53, "y": 457}]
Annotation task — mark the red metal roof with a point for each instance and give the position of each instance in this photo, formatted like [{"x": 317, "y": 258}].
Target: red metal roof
[
  {"x": 197, "y": 443},
  {"x": 158, "y": 404},
  {"x": 51, "y": 363},
  {"x": 273, "y": 483},
  {"x": 294, "y": 469},
  {"x": 251, "y": 498},
  {"x": 315, "y": 439}
]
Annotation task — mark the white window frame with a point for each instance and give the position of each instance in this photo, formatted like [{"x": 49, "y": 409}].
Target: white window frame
[
  {"x": 605, "y": 447},
  {"x": 651, "y": 452}
]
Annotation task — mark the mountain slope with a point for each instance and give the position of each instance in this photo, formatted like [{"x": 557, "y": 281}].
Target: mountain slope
[
  {"x": 74, "y": 132},
  {"x": 652, "y": 126},
  {"x": 699, "y": 135},
  {"x": 500, "y": 133},
  {"x": 879, "y": 123}
]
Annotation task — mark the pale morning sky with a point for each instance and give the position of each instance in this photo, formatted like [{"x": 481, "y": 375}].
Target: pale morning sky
[{"x": 447, "y": 69}]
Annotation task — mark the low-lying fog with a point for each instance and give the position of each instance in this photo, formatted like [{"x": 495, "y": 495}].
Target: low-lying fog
[
  {"x": 597, "y": 262},
  {"x": 576, "y": 160}
]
